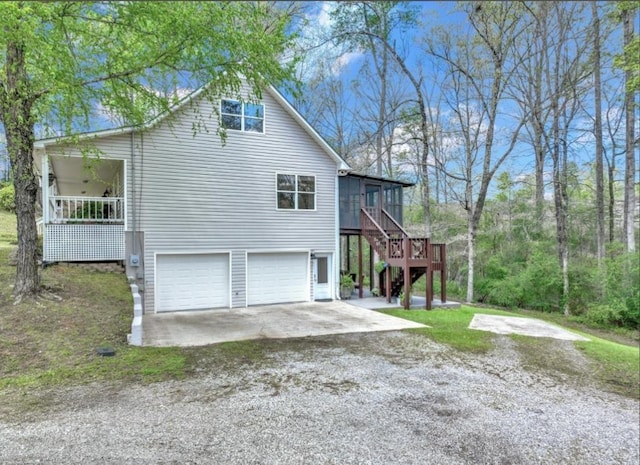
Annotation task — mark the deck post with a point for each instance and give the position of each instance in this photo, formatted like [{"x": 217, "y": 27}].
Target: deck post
[
  {"x": 429, "y": 280},
  {"x": 406, "y": 302},
  {"x": 373, "y": 277},
  {"x": 360, "y": 277},
  {"x": 443, "y": 273},
  {"x": 387, "y": 282}
]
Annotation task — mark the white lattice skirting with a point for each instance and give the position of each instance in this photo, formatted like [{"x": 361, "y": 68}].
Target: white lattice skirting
[{"x": 83, "y": 242}]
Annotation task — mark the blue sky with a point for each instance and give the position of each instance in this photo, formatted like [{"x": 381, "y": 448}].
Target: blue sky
[{"x": 347, "y": 65}]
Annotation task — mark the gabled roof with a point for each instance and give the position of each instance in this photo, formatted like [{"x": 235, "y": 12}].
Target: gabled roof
[{"x": 342, "y": 165}]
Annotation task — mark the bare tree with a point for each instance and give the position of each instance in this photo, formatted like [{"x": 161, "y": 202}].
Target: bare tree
[
  {"x": 614, "y": 148},
  {"x": 630, "y": 166},
  {"x": 356, "y": 26},
  {"x": 326, "y": 102},
  {"x": 600, "y": 237},
  {"x": 565, "y": 74},
  {"x": 531, "y": 92},
  {"x": 479, "y": 69}
]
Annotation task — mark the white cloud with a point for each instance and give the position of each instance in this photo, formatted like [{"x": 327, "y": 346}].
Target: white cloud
[
  {"x": 321, "y": 55},
  {"x": 324, "y": 18},
  {"x": 343, "y": 61}
]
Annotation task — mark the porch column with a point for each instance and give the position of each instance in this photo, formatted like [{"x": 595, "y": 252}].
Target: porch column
[
  {"x": 44, "y": 181},
  {"x": 347, "y": 237},
  {"x": 45, "y": 190}
]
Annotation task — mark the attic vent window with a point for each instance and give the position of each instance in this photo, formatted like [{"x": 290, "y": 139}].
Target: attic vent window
[{"x": 239, "y": 116}]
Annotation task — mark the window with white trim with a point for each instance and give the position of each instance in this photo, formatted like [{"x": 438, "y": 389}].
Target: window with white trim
[
  {"x": 295, "y": 192},
  {"x": 240, "y": 116}
]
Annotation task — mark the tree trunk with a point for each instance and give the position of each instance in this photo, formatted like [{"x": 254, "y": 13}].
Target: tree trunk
[
  {"x": 612, "y": 198},
  {"x": 560, "y": 199},
  {"x": 539, "y": 170},
  {"x": 538, "y": 128},
  {"x": 630, "y": 168},
  {"x": 471, "y": 250},
  {"x": 382, "y": 113},
  {"x": 19, "y": 128},
  {"x": 600, "y": 237},
  {"x": 471, "y": 232}
]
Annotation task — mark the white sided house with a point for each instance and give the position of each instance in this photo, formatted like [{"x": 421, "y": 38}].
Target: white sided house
[{"x": 201, "y": 224}]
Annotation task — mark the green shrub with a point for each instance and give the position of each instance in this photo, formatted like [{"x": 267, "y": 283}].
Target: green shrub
[
  {"x": 536, "y": 284},
  {"x": 583, "y": 287},
  {"x": 541, "y": 282},
  {"x": 622, "y": 287},
  {"x": 630, "y": 314},
  {"x": 492, "y": 277},
  {"x": 508, "y": 293},
  {"x": 453, "y": 288},
  {"x": 602, "y": 315},
  {"x": 618, "y": 312},
  {"x": 7, "y": 198}
]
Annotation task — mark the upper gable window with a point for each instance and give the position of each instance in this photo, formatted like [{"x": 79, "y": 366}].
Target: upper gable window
[{"x": 248, "y": 117}]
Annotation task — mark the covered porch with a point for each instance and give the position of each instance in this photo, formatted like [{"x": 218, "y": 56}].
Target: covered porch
[{"x": 83, "y": 208}]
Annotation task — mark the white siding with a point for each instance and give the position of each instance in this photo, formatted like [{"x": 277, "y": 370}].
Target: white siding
[
  {"x": 191, "y": 193},
  {"x": 238, "y": 278}
]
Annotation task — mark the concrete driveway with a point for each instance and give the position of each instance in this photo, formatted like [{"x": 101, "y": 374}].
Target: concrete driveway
[
  {"x": 195, "y": 328},
  {"x": 525, "y": 326}
]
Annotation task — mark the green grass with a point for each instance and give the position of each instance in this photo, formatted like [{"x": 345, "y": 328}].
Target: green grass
[
  {"x": 48, "y": 342},
  {"x": 451, "y": 327},
  {"x": 613, "y": 366},
  {"x": 7, "y": 229},
  {"x": 617, "y": 366}
]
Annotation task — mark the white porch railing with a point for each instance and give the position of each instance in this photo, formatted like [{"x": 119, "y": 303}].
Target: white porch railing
[
  {"x": 78, "y": 210},
  {"x": 84, "y": 229}
]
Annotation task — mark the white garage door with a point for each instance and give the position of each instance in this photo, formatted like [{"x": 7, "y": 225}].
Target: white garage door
[
  {"x": 192, "y": 281},
  {"x": 277, "y": 277}
]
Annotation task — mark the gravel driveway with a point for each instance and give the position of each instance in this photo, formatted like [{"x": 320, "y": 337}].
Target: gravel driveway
[{"x": 382, "y": 398}]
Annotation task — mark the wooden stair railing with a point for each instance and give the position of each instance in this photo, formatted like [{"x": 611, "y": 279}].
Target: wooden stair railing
[
  {"x": 394, "y": 246},
  {"x": 374, "y": 234}
]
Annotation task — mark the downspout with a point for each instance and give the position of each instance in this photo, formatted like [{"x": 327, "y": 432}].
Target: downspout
[
  {"x": 337, "y": 259},
  {"x": 133, "y": 196}
]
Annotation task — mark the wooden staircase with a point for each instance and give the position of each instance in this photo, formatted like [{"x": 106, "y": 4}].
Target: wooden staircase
[
  {"x": 407, "y": 258},
  {"x": 397, "y": 279}
]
